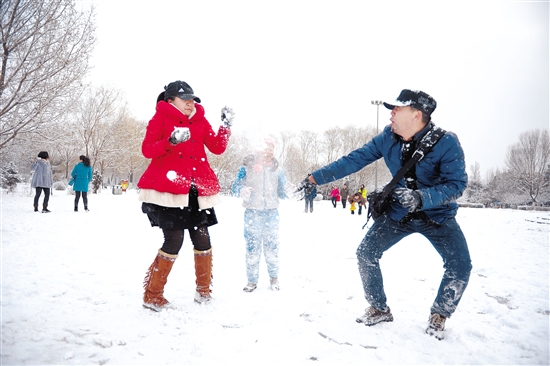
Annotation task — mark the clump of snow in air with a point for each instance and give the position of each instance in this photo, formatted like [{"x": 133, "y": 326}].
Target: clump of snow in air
[{"x": 172, "y": 175}]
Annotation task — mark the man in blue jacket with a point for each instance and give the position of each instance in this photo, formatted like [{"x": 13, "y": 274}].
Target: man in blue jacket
[{"x": 423, "y": 202}]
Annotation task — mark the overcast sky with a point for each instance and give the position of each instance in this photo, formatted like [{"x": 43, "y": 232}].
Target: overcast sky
[{"x": 310, "y": 65}]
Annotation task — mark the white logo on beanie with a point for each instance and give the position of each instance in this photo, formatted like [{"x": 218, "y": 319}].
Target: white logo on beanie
[{"x": 181, "y": 90}]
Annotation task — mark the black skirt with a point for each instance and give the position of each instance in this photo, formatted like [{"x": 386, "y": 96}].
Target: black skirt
[{"x": 177, "y": 218}]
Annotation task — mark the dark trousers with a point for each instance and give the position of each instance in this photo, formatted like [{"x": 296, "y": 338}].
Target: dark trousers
[
  {"x": 84, "y": 198},
  {"x": 39, "y": 192},
  {"x": 173, "y": 239}
]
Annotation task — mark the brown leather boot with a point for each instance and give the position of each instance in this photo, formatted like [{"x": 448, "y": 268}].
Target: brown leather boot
[
  {"x": 203, "y": 272},
  {"x": 155, "y": 279}
]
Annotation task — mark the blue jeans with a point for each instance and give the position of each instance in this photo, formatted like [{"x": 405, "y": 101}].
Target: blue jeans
[
  {"x": 309, "y": 202},
  {"x": 261, "y": 230},
  {"x": 448, "y": 240}
]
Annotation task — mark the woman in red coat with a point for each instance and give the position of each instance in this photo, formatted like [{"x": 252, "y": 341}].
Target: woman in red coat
[{"x": 179, "y": 189}]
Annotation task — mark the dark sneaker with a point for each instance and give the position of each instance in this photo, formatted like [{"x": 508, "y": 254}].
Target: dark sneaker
[
  {"x": 436, "y": 326},
  {"x": 251, "y": 286},
  {"x": 374, "y": 316}
]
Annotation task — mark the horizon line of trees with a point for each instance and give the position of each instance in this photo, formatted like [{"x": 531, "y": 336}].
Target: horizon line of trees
[{"x": 46, "y": 105}]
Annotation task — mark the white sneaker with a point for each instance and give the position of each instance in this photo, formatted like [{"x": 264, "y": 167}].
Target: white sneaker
[
  {"x": 275, "y": 284},
  {"x": 251, "y": 286}
]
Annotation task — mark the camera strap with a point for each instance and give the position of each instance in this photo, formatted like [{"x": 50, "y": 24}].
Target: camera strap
[{"x": 426, "y": 143}]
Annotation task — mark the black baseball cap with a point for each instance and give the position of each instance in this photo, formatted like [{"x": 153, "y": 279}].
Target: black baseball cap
[
  {"x": 416, "y": 99},
  {"x": 181, "y": 90}
]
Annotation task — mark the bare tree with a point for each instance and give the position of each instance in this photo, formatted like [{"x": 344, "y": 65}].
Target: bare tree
[
  {"x": 284, "y": 142},
  {"x": 46, "y": 45},
  {"x": 500, "y": 190},
  {"x": 308, "y": 144},
  {"x": 126, "y": 150},
  {"x": 528, "y": 160},
  {"x": 98, "y": 114},
  {"x": 474, "y": 192},
  {"x": 475, "y": 171},
  {"x": 67, "y": 149},
  {"x": 294, "y": 165},
  {"x": 332, "y": 144}
]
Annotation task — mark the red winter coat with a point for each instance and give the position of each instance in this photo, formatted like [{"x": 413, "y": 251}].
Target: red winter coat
[{"x": 174, "y": 167}]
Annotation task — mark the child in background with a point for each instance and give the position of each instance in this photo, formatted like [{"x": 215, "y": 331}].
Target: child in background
[
  {"x": 355, "y": 201},
  {"x": 353, "y": 207}
]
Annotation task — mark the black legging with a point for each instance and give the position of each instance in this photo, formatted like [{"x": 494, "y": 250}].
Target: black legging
[
  {"x": 46, "y": 195},
  {"x": 84, "y": 198},
  {"x": 173, "y": 239}
]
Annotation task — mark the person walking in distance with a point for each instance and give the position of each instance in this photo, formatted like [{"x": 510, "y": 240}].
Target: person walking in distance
[
  {"x": 334, "y": 194},
  {"x": 344, "y": 193},
  {"x": 424, "y": 202},
  {"x": 363, "y": 191},
  {"x": 81, "y": 178},
  {"x": 42, "y": 180},
  {"x": 179, "y": 189},
  {"x": 309, "y": 196}
]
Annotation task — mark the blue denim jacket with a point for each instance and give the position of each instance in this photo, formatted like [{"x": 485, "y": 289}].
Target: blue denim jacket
[{"x": 441, "y": 175}]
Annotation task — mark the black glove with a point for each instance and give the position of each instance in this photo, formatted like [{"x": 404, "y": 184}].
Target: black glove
[
  {"x": 227, "y": 116},
  {"x": 409, "y": 198},
  {"x": 180, "y": 134},
  {"x": 306, "y": 185}
]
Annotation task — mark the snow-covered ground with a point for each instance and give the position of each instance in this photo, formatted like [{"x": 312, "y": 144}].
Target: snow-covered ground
[{"x": 72, "y": 291}]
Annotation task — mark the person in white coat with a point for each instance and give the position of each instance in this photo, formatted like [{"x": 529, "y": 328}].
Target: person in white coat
[{"x": 260, "y": 182}]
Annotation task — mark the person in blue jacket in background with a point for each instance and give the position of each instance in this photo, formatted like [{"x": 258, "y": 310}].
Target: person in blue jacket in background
[
  {"x": 261, "y": 183},
  {"x": 309, "y": 196},
  {"x": 424, "y": 202},
  {"x": 82, "y": 176}
]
